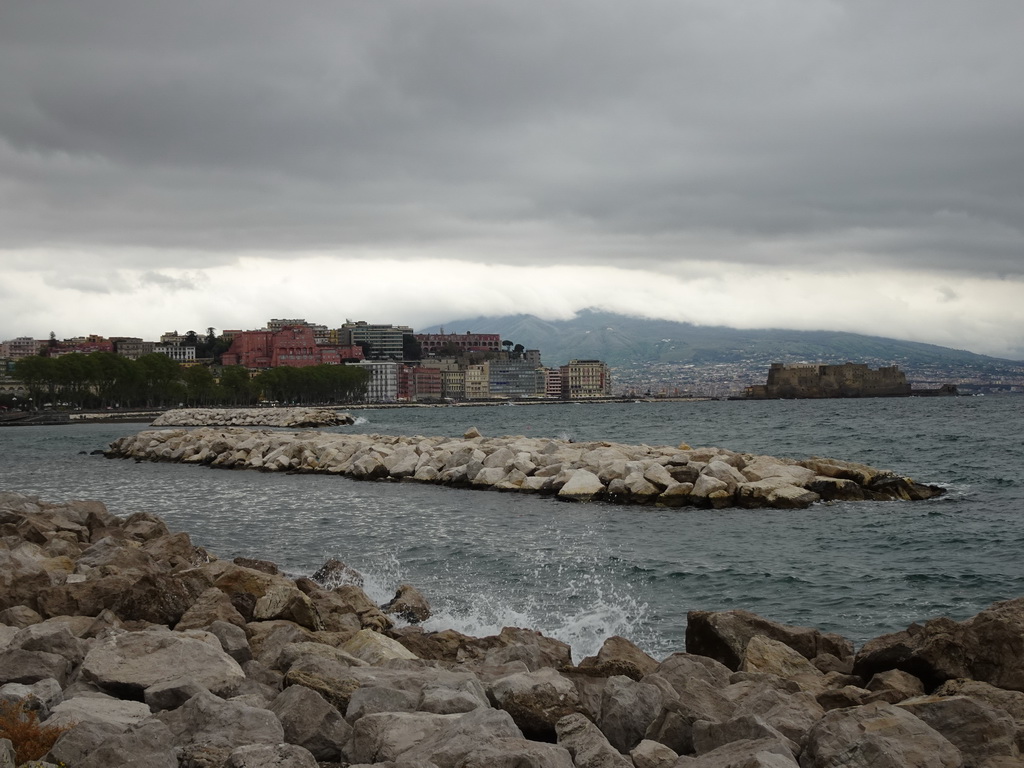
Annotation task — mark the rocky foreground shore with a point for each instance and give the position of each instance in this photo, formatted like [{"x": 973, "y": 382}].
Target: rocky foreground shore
[
  {"x": 625, "y": 474},
  {"x": 123, "y": 644},
  {"x": 289, "y": 418}
]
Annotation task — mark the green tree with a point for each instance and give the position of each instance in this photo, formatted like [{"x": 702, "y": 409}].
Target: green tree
[
  {"x": 236, "y": 385},
  {"x": 199, "y": 385},
  {"x": 159, "y": 376}
]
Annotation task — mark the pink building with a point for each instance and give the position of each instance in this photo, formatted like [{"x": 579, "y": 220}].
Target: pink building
[
  {"x": 293, "y": 346},
  {"x": 433, "y": 343}
]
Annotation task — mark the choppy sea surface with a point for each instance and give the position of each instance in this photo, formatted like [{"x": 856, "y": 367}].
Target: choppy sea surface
[{"x": 584, "y": 572}]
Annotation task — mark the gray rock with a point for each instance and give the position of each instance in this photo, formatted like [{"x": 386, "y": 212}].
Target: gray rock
[
  {"x": 207, "y": 721},
  {"x": 171, "y": 694},
  {"x": 147, "y": 744},
  {"x": 723, "y": 635},
  {"x": 680, "y": 668},
  {"x": 232, "y": 639},
  {"x": 50, "y": 637},
  {"x": 628, "y": 708},
  {"x": 19, "y": 616},
  {"x": 99, "y": 709},
  {"x": 698, "y": 700},
  {"x": 879, "y": 735},
  {"x": 72, "y": 746},
  {"x": 762, "y": 753},
  {"x": 792, "y": 714},
  {"x": 310, "y": 722},
  {"x": 130, "y": 662},
  {"x": 409, "y": 604},
  {"x": 211, "y": 606},
  {"x": 708, "y": 736},
  {"x": 384, "y": 736},
  {"x": 371, "y": 699},
  {"x": 513, "y": 753},
  {"x": 453, "y": 698},
  {"x": 619, "y": 656},
  {"x": 40, "y": 696},
  {"x": 582, "y": 486},
  {"x": 587, "y": 746},
  {"x": 980, "y": 732},
  {"x": 20, "y": 666},
  {"x": 270, "y": 756},
  {"x": 651, "y": 754},
  {"x": 988, "y": 647},
  {"x": 896, "y": 684},
  {"x": 536, "y": 701},
  {"x": 485, "y": 738}
]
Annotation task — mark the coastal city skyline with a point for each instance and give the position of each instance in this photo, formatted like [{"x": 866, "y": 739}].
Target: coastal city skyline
[{"x": 842, "y": 166}]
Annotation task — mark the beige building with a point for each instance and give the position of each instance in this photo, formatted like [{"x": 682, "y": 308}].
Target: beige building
[
  {"x": 477, "y": 377},
  {"x": 582, "y": 379}
]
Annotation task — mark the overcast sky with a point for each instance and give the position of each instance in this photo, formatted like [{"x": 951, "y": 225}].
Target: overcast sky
[{"x": 853, "y": 165}]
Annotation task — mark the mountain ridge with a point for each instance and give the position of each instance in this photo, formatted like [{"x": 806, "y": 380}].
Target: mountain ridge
[{"x": 629, "y": 342}]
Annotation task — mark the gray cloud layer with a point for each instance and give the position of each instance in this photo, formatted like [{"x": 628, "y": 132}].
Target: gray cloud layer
[{"x": 889, "y": 131}]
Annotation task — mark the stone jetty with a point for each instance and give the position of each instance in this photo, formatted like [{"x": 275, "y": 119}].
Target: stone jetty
[
  {"x": 124, "y": 644},
  {"x": 289, "y": 418},
  {"x": 614, "y": 472}
]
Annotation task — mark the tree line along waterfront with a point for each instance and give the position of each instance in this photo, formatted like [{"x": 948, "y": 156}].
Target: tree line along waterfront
[{"x": 107, "y": 380}]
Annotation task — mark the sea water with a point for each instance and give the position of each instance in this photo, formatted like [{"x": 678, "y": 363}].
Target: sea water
[{"x": 583, "y": 572}]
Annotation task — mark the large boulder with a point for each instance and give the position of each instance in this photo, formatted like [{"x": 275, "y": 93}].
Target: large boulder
[
  {"x": 211, "y": 725},
  {"x": 582, "y": 486},
  {"x": 877, "y": 735},
  {"x": 375, "y": 648},
  {"x": 127, "y": 663},
  {"x": 745, "y": 753},
  {"x": 536, "y": 701},
  {"x": 767, "y": 656},
  {"x": 619, "y": 656},
  {"x": 628, "y": 708},
  {"x": 988, "y": 647},
  {"x": 384, "y": 736},
  {"x": 409, "y": 604},
  {"x": 980, "y": 732},
  {"x": 270, "y": 756},
  {"x": 98, "y": 709},
  {"x": 148, "y": 743},
  {"x": 587, "y": 745},
  {"x": 311, "y": 722},
  {"x": 723, "y": 635}
]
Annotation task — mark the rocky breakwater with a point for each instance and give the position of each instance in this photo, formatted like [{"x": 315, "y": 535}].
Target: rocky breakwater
[
  {"x": 123, "y": 644},
  {"x": 289, "y": 418},
  {"x": 626, "y": 474}
]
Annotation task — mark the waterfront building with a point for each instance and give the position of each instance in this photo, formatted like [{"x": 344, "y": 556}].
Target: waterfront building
[
  {"x": 553, "y": 383},
  {"x": 476, "y": 382},
  {"x": 582, "y": 379},
  {"x": 383, "y": 385},
  {"x": 514, "y": 379},
  {"x": 424, "y": 383},
  {"x": 382, "y": 341}
]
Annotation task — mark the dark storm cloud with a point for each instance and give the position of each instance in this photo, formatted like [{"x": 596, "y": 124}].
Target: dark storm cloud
[{"x": 891, "y": 132}]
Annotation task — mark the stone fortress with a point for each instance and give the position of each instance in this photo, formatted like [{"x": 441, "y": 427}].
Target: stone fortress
[{"x": 821, "y": 381}]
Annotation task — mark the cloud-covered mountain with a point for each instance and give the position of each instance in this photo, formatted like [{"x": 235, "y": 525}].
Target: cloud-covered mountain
[{"x": 624, "y": 341}]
